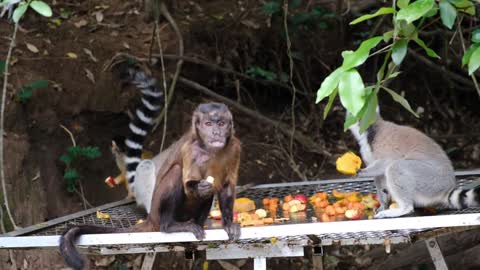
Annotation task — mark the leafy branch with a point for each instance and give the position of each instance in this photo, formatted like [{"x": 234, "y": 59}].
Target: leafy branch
[
  {"x": 44, "y": 10},
  {"x": 408, "y": 19}
]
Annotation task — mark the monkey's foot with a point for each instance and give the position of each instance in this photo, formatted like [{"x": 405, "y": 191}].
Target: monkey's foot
[
  {"x": 397, "y": 212},
  {"x": 233, "y": 231}
]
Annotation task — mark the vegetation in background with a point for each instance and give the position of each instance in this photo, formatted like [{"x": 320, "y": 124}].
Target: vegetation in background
[
  {"x": 408, "y": 19},
  {"x": 75, "y": 155}
]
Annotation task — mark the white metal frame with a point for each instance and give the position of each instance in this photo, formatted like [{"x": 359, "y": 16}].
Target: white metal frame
[{"x": 153, "y": 242}]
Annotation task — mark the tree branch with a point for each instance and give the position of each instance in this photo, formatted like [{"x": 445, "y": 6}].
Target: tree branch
[{"x": 2, "y": 125}]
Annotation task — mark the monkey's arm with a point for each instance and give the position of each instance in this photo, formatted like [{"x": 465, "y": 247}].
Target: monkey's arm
[
  {"x": 194, "y": 182},
  {"x": 226, "y": 195},
  {"x": 168, "y": 198}
]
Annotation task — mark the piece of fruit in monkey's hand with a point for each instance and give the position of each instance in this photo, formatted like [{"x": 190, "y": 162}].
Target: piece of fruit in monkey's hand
[
  {"x": 349, "y": 163},
  {"x": 243, "y": 205},
  {"x": 210, "y": 179}
]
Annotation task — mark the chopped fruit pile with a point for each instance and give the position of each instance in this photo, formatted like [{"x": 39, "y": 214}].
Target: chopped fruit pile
[
  {"x": 350, "y": 205},
  {"x": 349, "y": 163},
  {"x": 243, "y": 205},
  {"x": 336, "y": 206}
]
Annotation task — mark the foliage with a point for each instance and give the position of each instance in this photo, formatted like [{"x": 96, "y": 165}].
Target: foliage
[
  {"x": 2, "y": 66},
  {"x": 408, "y": 18},
  {"x": 258, "y": 72},
  {"x": 297, "y": 19},
  {"x": 38, "y": 6},
  {"x": 26, "y": 91},
  {"x": 74, "y": 155}
]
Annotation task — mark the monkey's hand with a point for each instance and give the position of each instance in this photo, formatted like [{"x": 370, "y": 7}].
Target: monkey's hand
[
  {"x": 202, "y": 188},
  {"x": 233, "y": 231},
  {"x": 188, "y": 226}
]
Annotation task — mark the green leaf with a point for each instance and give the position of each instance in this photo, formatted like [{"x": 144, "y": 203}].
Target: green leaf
[
  {"x": 381, "y": 11},
  {"x": 329, "y": 84},
  {"x": 71, "y": 174},
  {"x": 67, "y": 159},
  {"x": 19, "y": 11},
  {"x": 403, "y": 3},
  {"x": 429, "y": 51},
  {"x": 91, "y": 152},
  {"x": 448, "y": 13},
  {"x": 465, "y": 6},
  {"x": 331, "y": 98},
  {"x": 41, "y": 8},
  {"x": 399, "y": 51},
  {"x": 24, "y": 94},
  {"x": 432, "y": 12},
  {"x": 358, "y": 57},
  {"x": 295, "y": 3},
  {"x": 474, "y": 62},
  {"x": 370, "y": 115},
  {"x": 349, "y": 121},
  {"x": 38, "y": 84},
  {"x": 415, "y": 10},
  {"x": 468, "y": 54},
  {"x": 2, "y": 66},
  {"x": 476, "y": 35},
  {"x": 401, "y": 100},
  {"x": 271, "y": 7},
  {"x": 352, "y": 91},
  {"x": 387, "y": 35},
  {"x": 74, "y": 151},
  {"x": 394, "y": 75}
]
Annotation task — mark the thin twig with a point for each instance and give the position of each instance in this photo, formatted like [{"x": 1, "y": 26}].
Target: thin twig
[
  {"x": 197, "y": 61},
  {"x": 164, "y": 84},
  {"x": 454, "y": 76},
  {"x": 306, "y": 141},
  {"x": 178, "y": 69},
  {"x": 2, "y": 125},
  {"x": 82, "y": 195},
  {"x": 289, "y": 54},
  {"x": 70, "y": 134},
  {"x": 474, "y": 79}
]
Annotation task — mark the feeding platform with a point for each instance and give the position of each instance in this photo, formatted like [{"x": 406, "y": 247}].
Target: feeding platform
[{"x": 278, "y": 240}]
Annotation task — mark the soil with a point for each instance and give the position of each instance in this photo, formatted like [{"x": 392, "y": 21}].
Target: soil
[{"x": 74, "y": 47}]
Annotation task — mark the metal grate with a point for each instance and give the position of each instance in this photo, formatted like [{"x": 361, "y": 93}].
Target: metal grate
[{"x": 124, "y": 216}]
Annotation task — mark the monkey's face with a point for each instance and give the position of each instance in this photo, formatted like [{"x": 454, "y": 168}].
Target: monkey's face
[
  {"x": 213, "y": 125},
  {"x": 214, "y": 131}
]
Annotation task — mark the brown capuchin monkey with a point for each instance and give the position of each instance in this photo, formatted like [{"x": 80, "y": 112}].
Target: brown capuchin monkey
[{"x": 184, "y": 189}]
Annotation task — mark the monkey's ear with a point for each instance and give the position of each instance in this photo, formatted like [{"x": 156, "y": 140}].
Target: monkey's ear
[{"x": 195, "y": 120}]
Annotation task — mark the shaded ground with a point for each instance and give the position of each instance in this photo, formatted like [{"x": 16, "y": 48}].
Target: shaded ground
[{"x": 87, "y": 100}]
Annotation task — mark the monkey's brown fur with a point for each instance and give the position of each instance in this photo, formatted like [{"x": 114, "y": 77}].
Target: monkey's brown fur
[{"x": 182, "y": 197}]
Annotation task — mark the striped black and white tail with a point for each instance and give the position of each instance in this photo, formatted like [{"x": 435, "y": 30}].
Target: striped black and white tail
[
  {"x": 463, "y": 198},
  {"x": 143, "y": 118}
]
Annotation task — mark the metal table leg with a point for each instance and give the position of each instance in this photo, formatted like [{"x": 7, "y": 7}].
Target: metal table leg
[
  {"x": 148, "y": 261},
  {"x": 260, "y": 263},
  {"x": 436, "y": 254}
]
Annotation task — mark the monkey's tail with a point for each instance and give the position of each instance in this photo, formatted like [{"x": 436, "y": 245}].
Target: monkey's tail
[
  {"x": 67, "y": 243},
  {"x": 464, "y": 198},
  {"x": 144, "y": 117}
]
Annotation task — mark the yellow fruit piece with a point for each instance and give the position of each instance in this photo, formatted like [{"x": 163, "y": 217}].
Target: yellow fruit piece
[
  {"x": 140, "y": 221},
  {"x": 349, "y": 163},
  {"x": 243, "y": 205},
  {"x": 101, "y": 215}
]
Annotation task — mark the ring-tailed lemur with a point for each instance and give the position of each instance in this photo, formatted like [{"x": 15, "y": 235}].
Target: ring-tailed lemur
[
  {"x": 410, "y": 168},
  {"x": 142, "y": 122}
]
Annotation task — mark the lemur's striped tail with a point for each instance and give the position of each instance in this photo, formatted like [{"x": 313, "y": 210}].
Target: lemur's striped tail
[
  {"x": 143, "y": 119},
  {"x": 463, "y": 198}
]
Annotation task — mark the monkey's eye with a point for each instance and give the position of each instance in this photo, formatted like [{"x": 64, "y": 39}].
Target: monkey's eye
[
  {"x": 220, "y": 123},
  {"x": 208, "y": 123}
]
